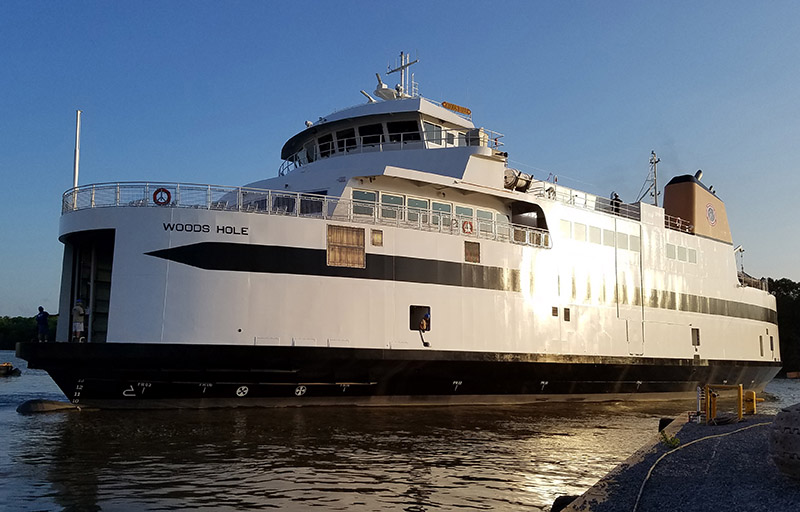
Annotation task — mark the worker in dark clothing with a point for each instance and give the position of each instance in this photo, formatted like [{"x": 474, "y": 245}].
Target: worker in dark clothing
[
  {"x": 42, "y": 324},
  {"x": 615, "y": 203}
]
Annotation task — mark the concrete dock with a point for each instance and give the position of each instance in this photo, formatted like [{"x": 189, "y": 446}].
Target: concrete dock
[{"x": 729, "y": 467}]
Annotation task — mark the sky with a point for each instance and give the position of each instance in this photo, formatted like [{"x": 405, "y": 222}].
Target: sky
[{"x": 208, "y": 92}]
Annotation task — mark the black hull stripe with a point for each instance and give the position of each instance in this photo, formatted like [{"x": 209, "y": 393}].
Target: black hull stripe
[
  {"x": 313, "y": 262},
  {"x": 93, "y": 373}
]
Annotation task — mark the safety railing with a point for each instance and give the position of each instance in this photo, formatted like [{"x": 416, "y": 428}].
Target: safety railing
[
  {"x": 678, "y": 224},
  {"x": 752, "y": 282},
  {"x": 432, "y": 139},
  {"x": 601, "y": 204},
  {"x": 295, "y": 204},
  {"x": 585, "y": 200}
]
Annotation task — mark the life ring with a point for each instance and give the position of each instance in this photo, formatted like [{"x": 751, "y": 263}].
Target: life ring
[
  {"x": 466, "y": 227},
  {"x": 162, "y": 196}
]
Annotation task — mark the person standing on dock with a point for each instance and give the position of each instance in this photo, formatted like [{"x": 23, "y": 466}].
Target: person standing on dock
[
  {"x": 41, "y": 324},
  {"x": 78, "y": 313}
]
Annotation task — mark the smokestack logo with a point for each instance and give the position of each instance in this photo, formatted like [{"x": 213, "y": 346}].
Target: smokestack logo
[{"x": 711, "y": 214}]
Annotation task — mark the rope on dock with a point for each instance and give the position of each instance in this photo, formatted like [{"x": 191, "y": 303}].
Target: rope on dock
[{"x": 650, "y": 471}]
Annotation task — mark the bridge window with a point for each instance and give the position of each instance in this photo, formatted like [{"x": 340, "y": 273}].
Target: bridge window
[
  {"x": 371, "y": 134},
  {"x": 433, "y": 133},
  {"x": 309, "y": 153},
  {"x": 403, "y": 131},
  {"x": 325, "y": 145},
  {"x": 346, "y": 140}
]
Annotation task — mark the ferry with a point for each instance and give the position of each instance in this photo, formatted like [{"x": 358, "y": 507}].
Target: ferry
[{"x": 398, "y": 259}]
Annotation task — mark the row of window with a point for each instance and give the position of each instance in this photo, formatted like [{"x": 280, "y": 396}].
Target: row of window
[
  {"x": 415, "y": 209},
  {"x": 681, "y": 253},
  {"x": 610, "y": 238},
  {"x": 593, "y": 234},
  {"x": 347, "y": 139}
]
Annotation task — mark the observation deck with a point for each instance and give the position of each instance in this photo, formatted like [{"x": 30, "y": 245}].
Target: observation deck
[{"x": 256, "y": 201}]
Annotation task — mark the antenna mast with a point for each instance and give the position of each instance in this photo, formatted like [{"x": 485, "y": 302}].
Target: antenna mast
[
  {"x": 404, "y": 64},
  {"x": 654, "y": 163},
  {"x": 77, "y": 150}
]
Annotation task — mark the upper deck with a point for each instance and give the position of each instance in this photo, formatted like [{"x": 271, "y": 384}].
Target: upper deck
[{"x": 403, "y": 124}]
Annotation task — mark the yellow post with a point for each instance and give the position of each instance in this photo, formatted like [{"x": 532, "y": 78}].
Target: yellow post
[
  {"x": 750, "y": 402},
  {"x": 708, "y": 404}
]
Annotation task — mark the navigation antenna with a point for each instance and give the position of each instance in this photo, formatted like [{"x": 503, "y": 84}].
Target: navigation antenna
[
  {"x": 404, "y": 64},
  {"x": 652, "y": 179}
]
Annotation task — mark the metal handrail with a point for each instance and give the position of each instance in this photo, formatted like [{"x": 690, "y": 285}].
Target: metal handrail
[
  {"x": 297, "y": 204},
  {"x": 573, "y": 197},
  {"x": 545, "y": 189},
  {"x": 678, "y": 224},
  {"x": 752, "y": 282}
]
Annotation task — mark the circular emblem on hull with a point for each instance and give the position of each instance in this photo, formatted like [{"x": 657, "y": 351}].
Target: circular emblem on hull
[
  {"x": 242, "y": 391},
  {"x": 162, "y": 196},
  {"x": 711, "y": 214},
  {"x": 300, "y": 390}
]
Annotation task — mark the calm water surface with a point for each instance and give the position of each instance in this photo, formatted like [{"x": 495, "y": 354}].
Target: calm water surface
[{"x": 415, "y": 459}]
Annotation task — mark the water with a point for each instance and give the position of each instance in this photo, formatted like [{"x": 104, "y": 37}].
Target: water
[{"x": 360, "y": 459}]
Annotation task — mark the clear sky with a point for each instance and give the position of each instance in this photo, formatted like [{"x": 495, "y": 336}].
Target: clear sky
[{"x": 207, "y": 92}]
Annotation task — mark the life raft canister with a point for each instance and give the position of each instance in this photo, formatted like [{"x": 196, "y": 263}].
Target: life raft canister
[{"x": 466, "y": 227}]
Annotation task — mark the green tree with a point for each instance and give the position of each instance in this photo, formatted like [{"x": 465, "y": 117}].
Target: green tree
[
  {"x": 21, "y": 328},
  {"x": 787, "y": 296}
]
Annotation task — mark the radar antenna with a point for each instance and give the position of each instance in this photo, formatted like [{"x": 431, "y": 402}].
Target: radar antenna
[
  {"x": 652, "y": 180},
  {"x": 404, "y": 64}
]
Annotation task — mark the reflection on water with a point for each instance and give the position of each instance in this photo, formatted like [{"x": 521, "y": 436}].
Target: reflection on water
[{"x": 482, "y": 458}]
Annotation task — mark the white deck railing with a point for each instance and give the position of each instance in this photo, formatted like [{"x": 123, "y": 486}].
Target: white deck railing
[
  {"x": 601, "y": 204},
  {"x": 295, "y": 204}
]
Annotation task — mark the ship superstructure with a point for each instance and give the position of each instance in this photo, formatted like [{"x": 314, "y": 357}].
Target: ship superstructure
[{"x": 396, "y": 258}]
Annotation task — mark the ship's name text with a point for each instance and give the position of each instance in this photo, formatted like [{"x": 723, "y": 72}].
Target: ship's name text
[{"x": 205, "y": 228}]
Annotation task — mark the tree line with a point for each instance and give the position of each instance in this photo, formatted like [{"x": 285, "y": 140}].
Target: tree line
[
  {"x": 22, "y": 328},
  {"x": 786, "y": 291}
]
